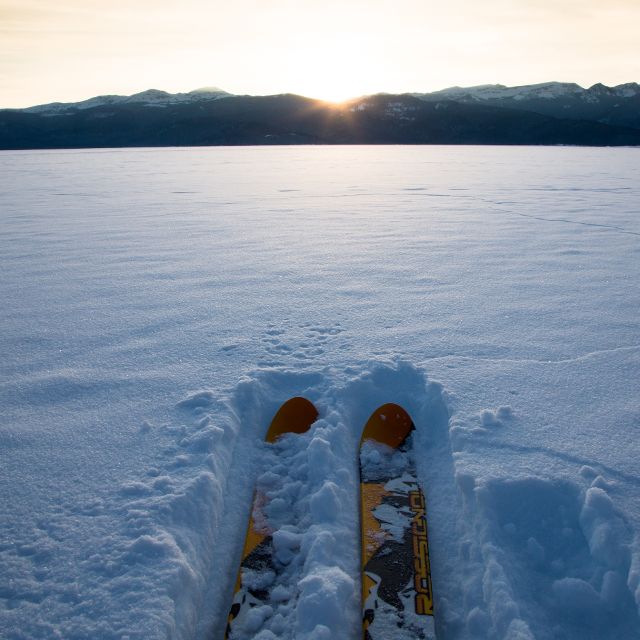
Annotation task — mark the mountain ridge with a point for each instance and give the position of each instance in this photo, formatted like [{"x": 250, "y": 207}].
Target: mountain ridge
[
  {"x": 545, "y": 90},
  {"x": 149, "y": 96},
  {"x": 543, "y": 114}
]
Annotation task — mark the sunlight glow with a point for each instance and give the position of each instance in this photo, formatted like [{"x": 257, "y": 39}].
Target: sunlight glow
[
  {"x": 334, "y": 71},
  {"x": 328, "y": 49}
]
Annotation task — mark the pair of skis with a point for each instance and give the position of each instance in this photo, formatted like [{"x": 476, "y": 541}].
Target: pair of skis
[{"x": 397, "y": 600}]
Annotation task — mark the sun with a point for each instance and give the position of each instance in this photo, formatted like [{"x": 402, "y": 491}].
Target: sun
[
  {"x": 334, "y": 71},
  {"x": 335, "y": 92},
  {"x": 334, "y": 85}
]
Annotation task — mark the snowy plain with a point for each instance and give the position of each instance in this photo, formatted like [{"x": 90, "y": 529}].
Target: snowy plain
[{"x": 158, "y": 305}]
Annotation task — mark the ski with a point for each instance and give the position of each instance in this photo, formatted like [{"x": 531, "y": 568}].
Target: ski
[
  {"x": 397, "y": 599},
  {"x": 294, "y": 416}
]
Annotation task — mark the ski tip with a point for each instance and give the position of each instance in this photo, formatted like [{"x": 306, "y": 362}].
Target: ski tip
[
  {"x": 294, "y": 416},
  {"x": 389, "y": 424}
]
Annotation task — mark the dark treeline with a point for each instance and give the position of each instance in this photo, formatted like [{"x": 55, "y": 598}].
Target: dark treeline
[{"x": 290, "y": 119}]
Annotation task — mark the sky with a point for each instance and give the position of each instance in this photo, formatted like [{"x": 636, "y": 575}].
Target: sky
[{"x": 71, "y": 50}]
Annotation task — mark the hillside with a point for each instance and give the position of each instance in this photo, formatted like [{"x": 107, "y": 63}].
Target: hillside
[{"x": 485, "y": 115}]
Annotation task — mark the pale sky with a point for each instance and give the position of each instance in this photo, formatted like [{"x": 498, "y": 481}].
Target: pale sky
[{"x": 69, "y": 50}]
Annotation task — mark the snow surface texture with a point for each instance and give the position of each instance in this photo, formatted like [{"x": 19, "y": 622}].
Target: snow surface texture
[{"x": 159, "y": 305}]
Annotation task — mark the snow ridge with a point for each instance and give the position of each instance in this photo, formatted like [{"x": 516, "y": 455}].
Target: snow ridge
[
  {"x": 479, "y": 93},
  {"x": 541, "y": 91},
  {"x": 150, "y": 97}
]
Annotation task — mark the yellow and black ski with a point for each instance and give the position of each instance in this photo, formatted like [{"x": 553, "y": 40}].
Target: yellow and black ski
[
  {"x": 294, "y": 416},
  {"x": 397, "y": 599}
]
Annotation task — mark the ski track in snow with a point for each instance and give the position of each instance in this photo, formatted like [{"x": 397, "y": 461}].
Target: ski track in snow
[
  {"x": 143, "y": 364},
  {"x": 567, "y": 532},
  {"x": 314, "y": 504}
]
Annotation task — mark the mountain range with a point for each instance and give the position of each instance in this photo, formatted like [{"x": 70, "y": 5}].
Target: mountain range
[{"x": 551, "y": 113}]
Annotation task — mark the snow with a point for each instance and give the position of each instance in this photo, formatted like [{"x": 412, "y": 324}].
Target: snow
[
  {"x": 159, "y": 306},
  {"x": 541, "y": 91},
  {"x": 627, "y": 90},
  {"x": 479, "y": 93},
  {"x": 150, "y": 97}
]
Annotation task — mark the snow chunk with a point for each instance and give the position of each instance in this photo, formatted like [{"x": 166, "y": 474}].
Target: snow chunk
[
  {"x": 320, "y": 458},
  {"x": 535, "y": 551},
  {"x": 286, "y": 544},
  {"x": 519, "y": 630},
  {"x": 614, "y": 591},
  {"x": 258, "y": 580},
  {"x": 255, "y": 618},
  {"x": 604, "y": 530},
  {"x": 325, "y": 503},
  {"x": 488, "y": 418},
  {"x": 199, "y": 400},
  {"x": 323, "y": 594},
  {"x": 576, "y": 597},
  {"x": 504, "y": 412},
  {"x": 478, "y": 623}
]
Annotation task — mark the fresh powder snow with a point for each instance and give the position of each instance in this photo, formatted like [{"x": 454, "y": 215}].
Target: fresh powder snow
[{"x": 158, "y": 306}]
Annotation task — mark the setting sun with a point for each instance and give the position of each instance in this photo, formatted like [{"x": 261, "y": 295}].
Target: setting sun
[
  {"x": 329, "y": 50},
  {"x": 336, "y": 70}
]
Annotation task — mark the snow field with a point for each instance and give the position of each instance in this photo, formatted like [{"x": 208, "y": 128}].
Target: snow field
[{"x": 159, "y": 306}]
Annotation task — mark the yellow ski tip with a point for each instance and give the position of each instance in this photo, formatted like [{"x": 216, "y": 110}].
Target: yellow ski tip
[
  {"x": 389, "y": 424},
  {"x": 294, "y": 416}
]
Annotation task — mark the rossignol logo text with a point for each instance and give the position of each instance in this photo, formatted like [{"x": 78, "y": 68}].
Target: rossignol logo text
[{"x": 422, "y": 579}]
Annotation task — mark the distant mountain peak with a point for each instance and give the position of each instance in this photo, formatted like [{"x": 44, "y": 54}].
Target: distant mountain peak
[
  {"x": 149, "y": 94},
  {"x": 552, "y": 90},
  {"x": 150, "y": 97},
  {"x": 201, "y": 90},
  {"x": 545, "y": 90}
]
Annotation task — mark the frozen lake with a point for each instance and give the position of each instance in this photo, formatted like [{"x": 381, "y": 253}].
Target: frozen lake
[{"x": 159, "y": 304}]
